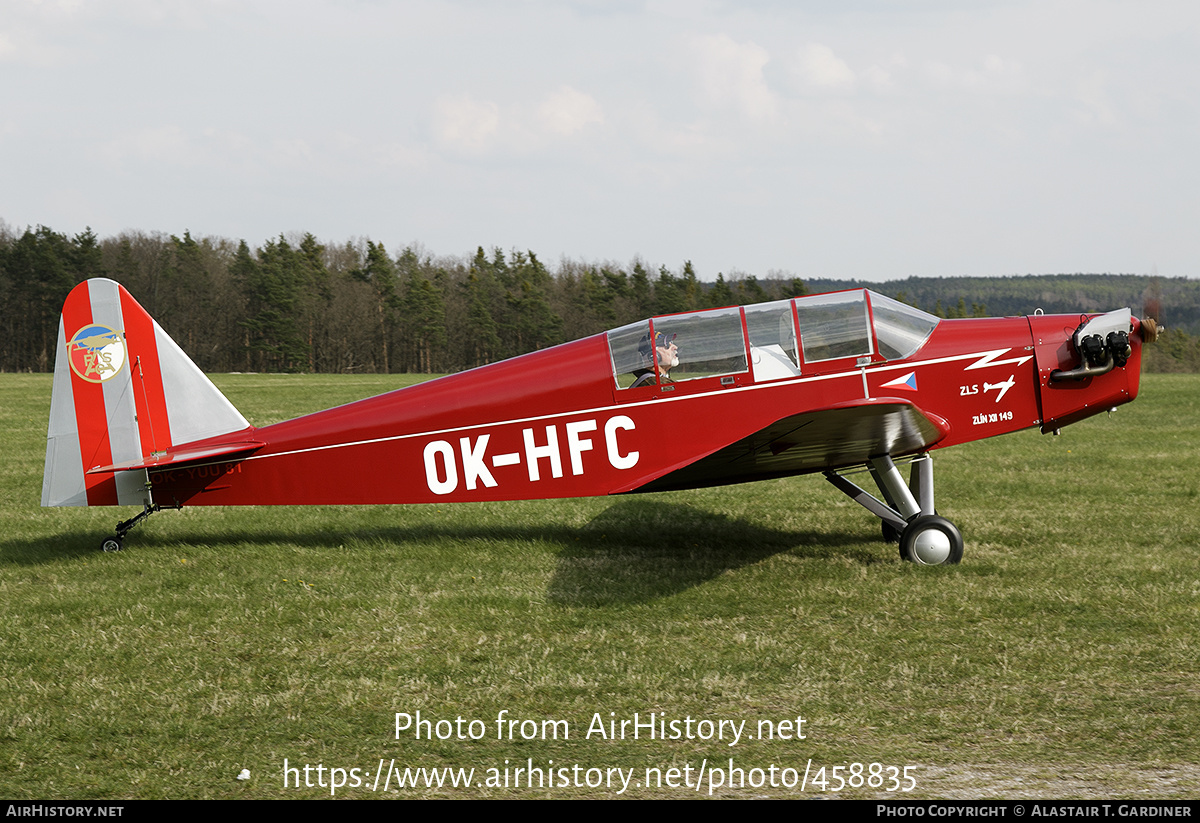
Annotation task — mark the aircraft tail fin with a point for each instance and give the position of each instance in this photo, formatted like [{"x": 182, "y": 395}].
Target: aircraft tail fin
[{"x": 123, "y": 391}]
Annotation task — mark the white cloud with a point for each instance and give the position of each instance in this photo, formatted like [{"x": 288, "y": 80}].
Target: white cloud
[
  {"x": 25, "y": 46},
  {"x": 877, "y": 78},
  {"x": 218, "y": 151},
  {"x": 465, "y": 123},
  {"x": 292, "y": 152},
  {"x": 1094, "y": 105},
  {"x": 994, "y": 75},
  {"x": 816, "y": 67},
  {"x": 568, "y": 111},
  {"x": 730, "y": 74},
  {"x": 162, "y": 143}
]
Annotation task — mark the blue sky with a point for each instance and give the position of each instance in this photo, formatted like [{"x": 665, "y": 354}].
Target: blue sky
[{"x": 875, "y": 140}]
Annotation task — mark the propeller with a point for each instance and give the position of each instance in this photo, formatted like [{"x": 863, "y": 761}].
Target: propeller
[
  {"x": 1152, "y": 306},
  {"x": 1150, "y": 329}
]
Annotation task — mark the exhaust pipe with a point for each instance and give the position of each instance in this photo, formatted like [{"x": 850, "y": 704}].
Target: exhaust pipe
[{"x": 1102, "y": 343}]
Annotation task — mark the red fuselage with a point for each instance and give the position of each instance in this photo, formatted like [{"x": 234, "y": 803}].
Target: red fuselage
[{"x": 560, "y": 423}]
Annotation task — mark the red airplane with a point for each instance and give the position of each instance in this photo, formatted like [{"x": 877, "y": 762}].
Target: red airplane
[{"x": 833, "y": 383}]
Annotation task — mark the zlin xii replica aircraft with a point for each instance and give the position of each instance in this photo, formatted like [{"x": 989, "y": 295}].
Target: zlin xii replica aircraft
[{"x": 833, "y": 383}]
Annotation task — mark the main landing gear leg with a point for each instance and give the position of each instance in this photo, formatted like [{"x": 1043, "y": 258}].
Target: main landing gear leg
[
  {"x": 908, "y": 516},
  {"x": 113, "y": 544}
]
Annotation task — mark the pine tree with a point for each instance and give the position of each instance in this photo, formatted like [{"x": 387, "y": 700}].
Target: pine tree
[
  {"x": 380, "y": 273},
  {"x": 720, "y": 294}
]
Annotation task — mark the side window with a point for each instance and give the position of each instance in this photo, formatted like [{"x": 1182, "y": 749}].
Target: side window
[
  {"x": 631, "y": 352},
  {"x": 773, "y": 353},
  {"x": 706, "y": 344},
  {"x": 687, "y": 346},
  {"x": 833, "y": 326}
]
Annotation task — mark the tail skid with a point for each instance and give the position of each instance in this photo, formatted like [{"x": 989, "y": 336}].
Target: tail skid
[{"x": 123, "y": 392}]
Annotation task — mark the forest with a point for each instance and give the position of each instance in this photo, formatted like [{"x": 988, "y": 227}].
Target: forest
[{"x": 295, "y": 304}]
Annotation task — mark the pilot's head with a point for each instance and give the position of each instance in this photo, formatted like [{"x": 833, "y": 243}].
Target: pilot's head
[{"x": 668, "y": 352}]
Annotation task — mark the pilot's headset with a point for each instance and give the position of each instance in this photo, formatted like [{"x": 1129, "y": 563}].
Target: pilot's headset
[{"x": 646, "y": 350}]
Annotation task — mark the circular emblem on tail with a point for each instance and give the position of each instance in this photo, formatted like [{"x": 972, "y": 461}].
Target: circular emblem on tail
[{"x": 97, "y": 353}]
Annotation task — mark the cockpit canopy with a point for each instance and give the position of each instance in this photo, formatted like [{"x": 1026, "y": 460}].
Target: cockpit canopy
[{"x": 773, "y": 341}]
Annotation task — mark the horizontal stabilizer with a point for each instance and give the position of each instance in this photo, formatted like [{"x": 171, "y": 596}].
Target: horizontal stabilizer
[{"x": 175, "y": 458}]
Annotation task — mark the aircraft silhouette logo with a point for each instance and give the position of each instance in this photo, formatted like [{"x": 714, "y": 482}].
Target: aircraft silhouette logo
[{"x": 97, "y": 353}]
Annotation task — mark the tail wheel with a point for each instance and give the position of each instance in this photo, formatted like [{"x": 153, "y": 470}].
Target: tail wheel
[
  {"x": 111, "y": 544},
  {"x": 931, "y": 540}
]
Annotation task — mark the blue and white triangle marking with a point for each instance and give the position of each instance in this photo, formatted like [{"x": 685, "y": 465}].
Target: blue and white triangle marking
[{"x": 908, "y": 381}]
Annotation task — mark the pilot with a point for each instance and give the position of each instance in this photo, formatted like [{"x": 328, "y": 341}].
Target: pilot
[{"x": 668, "y": 357}]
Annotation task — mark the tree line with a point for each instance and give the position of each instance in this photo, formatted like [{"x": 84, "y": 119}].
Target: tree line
[
  {"x": 1172, "y": 301},
  {"x": 295, "y": 304}
]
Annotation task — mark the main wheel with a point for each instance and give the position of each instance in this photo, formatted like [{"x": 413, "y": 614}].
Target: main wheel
[
  {"x": 111, "y": 544},
  {"x": 931, "y": 541}
]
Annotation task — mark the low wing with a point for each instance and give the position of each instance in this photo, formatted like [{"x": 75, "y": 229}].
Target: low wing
[{"x": 845, "y": 434}]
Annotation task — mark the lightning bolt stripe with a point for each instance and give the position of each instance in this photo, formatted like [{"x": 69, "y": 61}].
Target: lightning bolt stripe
[{"x": 989, "y": 359}]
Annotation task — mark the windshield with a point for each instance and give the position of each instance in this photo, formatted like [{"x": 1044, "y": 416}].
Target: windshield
[{"x": 899, "y": 329}]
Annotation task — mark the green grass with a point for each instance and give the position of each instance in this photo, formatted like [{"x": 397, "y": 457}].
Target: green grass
[{"x": 1059, "y": 660}]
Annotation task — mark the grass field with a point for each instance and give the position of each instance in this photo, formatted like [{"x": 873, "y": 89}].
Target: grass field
[{"x": 1059, "y": 660}]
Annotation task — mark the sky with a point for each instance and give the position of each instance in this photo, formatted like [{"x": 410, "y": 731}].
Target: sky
[{"x": 855, "y": 139}]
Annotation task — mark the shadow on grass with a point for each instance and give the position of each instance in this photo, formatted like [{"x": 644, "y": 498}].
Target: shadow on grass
[
  {"x": 638, "y": 551},
  {"x": 633, "y": 551},
  {"x": 48, "y": 549}
]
